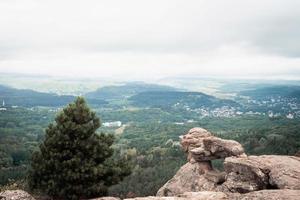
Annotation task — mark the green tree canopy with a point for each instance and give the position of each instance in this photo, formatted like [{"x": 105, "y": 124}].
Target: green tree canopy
[{"x": 74, "y": 161}]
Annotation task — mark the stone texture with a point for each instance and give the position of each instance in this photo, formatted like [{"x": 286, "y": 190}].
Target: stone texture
[
  {"x": 201, "y": 145},
  {"x": 205, "y": 195},
  {"x": 15, "y": 195},
  {"x": 215, "y": 176},
  {"x": 284, "y": 194},
  {"x": 189, "y": 178},
  {"x": 261, "y": 172}
]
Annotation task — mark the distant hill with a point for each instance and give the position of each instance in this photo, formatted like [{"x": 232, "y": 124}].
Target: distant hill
[
  {"x": 30, "y": 98},
  {"x": 273, "y": 91},
  {"x": 170, "y": 98},
  {"x": 127, "y": 90}
]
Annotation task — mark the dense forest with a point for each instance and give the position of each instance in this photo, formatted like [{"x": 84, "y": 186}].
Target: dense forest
[{"x": 148, "y": 136}]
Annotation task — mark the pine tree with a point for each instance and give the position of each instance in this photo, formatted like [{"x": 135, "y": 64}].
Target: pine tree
[{"x": 75, "y": 162}]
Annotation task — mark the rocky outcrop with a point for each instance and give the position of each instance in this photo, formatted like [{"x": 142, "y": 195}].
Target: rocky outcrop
[
  {"x": 245, "y": 177},
  {"x": 202, "y": 146},
  {"x": 262, "y": 172},
  {"x": 15, "y": 195},
  {"x": 188, "y": 178},
  {"x": 198, "y": 175}
]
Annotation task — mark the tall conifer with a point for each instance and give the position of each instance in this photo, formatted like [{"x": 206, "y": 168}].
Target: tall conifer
[{"x": 74, "y": 161}]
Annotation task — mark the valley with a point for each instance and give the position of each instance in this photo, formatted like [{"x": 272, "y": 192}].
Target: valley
[{"x": 146, "y": 120}]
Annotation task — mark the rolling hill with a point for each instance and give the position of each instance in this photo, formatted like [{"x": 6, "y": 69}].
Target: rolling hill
[
  {"x": 127, "y": 90},
  {"x": 30, "y": 98},
  {"x": 171, "y": 98},
  {"x": 273, "y": 91}
]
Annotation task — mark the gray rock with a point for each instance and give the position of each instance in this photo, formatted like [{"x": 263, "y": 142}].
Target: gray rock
[
  {"x": 15, "y": 195},
  {"x": 201, "y": 145},
  {"x": 215, "y": 176},
  {"x": 189, "y": 178},
  {"x": 261, "y": 172},
  {"x": 284, "y": 194}
]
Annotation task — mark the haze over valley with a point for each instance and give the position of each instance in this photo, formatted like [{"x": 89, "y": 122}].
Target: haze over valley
[{"x": 134, "y": 98}]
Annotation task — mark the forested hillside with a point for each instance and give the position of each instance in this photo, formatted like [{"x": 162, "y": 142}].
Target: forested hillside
[
  {"x": 30, "y": 98},
  {"x": 151, "y": 123},
  {"x": 190, "y": 99},
  {"x": 126, "y": 90}
]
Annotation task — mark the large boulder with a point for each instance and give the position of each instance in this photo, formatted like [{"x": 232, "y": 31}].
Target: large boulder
[
  {"x": 198, "y": 174},
  {"x": 262, "y": 172},
  {"x": 242, "y": 174},
  {"x": 201, "y": 146},
  {"x": 15, "y": 195},
  {"x": 189, "y": 178}
]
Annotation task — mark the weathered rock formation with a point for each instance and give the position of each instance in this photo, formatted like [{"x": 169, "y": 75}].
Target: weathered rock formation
[
  {"x": 243, "y": 174},
  {"x": 262, "y": 172},
  {"x": 198, "y": 175},
  {"x": 202, "y": 146}
]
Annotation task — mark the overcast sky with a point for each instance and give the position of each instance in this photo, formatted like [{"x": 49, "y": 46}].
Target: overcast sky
[{"x": 148, "y": 39}]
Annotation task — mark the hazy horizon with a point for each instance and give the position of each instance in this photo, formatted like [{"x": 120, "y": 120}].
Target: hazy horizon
[{"x": 142, "y": 40}]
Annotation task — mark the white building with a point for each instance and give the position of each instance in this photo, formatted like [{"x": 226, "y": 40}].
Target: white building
[
  {"x": 2, "y": 108},
  {"x": 290, "y": 116},
  {"x": 112, "y": 124}
]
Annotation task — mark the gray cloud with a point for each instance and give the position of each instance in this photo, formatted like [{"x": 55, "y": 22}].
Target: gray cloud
[{"x": 201, "y": 36}]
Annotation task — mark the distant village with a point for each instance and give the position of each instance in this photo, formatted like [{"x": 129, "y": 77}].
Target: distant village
[
  {"x": 288, "y": 108},
  {"x": 272, "y": 107}
]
